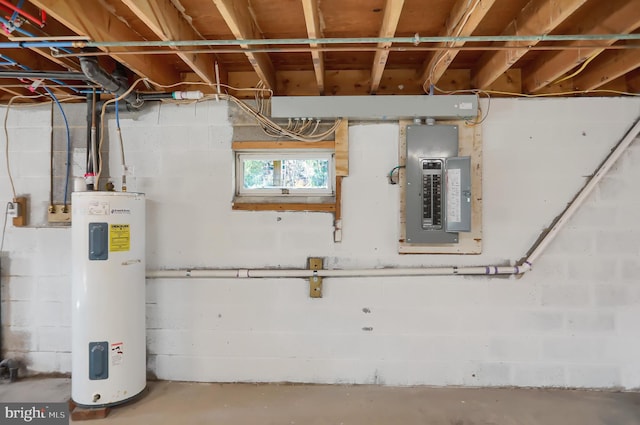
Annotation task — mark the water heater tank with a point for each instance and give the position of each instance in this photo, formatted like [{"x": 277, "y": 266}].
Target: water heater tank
[{"x": 108, "y": 298}]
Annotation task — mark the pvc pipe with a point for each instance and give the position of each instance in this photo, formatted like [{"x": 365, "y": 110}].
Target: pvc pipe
[
  {"x": 306, "y": 273},
  {"x": 584, "y": 193},
  {"x": 289, "y": 41},
  {"x": 187, "y": 95}
]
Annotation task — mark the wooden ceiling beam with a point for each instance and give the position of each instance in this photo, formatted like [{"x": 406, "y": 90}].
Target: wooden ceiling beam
[
  {"x": 237, "y": 15},
  {"x": 610, "y": 17},
  {"x": 312, "y": 20},
  {"x": 633, "y": 81},
  {"x": 66, "y": 63},
  {"x": 462, "y": 21},
  {"x": 538, "y": 17},
  {"x": 392, "y": 11},
  {"x": 25, "y": 58},
  {"x": 167, "y": 23},
  {"x": 356, "y": 82},
  {"x": 606, "y": 68},
  {"x": 94, "y": 21}
]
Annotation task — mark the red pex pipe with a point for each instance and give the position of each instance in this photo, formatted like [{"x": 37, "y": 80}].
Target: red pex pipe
[{"x": 21, "y": 12}]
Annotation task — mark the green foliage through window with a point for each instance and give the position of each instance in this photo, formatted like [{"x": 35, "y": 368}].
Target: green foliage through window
[{"x": 286, "y": 173}]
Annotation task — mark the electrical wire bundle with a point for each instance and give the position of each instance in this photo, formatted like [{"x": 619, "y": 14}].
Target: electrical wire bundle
[{"x": 302, "y": 129}]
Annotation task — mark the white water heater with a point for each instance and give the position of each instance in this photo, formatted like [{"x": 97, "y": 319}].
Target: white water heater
[{"x": 108, "y": 298}]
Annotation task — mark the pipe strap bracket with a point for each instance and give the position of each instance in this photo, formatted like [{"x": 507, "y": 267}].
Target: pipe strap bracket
[{"x": 315, "y": 281}]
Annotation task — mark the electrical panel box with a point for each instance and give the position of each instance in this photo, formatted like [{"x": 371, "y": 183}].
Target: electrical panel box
[{"x": 438, "y": 186}]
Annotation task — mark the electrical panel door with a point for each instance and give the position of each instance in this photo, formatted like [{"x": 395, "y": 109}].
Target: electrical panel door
[
  {"x": 458, "y": 188},
  {"x": 438, "y": 186}
]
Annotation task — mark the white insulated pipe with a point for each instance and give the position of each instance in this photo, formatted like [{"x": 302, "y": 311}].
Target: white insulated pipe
[
  {"x": 305, "y": 273},
  {"x": 584, "y": 192},
  {"x": 521, "y": 268}
]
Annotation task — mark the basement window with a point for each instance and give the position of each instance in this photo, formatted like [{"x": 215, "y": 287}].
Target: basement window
[
  {"x": 284, "y": 176},
  {"x": 300, "y": 173},
  {"x": 290, "y": 175}
]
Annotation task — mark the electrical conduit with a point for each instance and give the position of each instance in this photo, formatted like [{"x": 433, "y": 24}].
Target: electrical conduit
[{"x": 523, "y": 266}]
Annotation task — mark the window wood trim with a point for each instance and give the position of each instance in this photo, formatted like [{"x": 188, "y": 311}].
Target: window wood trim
[
  {"x": 269, "y": 144},
  {"x": 281, "y": 206},
  {"x": 340, "y": 146}
]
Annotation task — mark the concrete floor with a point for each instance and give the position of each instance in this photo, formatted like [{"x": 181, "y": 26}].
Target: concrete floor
[{"x": 229, "y": 404}]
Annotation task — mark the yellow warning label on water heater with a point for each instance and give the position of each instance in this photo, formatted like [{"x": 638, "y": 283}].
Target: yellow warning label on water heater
[{"x": 119, "y": 238}]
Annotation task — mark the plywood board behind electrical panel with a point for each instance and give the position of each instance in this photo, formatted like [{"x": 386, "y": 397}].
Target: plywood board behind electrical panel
[{"x": 342, "y": 148}]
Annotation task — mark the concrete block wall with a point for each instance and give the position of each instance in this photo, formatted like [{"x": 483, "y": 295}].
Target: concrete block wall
[{"x": 571, "y": 322}]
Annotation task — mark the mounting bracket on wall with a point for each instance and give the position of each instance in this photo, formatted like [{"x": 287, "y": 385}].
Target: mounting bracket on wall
[{"x": 315, "y": 281}]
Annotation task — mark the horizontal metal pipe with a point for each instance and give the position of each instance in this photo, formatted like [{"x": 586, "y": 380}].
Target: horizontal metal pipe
[
  {"x": 360, "y": 48},
  {"x": 75, "y": 86},
  {"x": 155, "y": 96},
  {"x": 48, "y": 75},
  {"x": 370, "y": 40},
  {"x": 293, "y": 41}
]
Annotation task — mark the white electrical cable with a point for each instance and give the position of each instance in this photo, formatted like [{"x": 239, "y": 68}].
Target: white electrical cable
[
  {"x": 102, "y": 129},
  {"x": 268, "y": 126},
  {"x": 273, "y": 129}
]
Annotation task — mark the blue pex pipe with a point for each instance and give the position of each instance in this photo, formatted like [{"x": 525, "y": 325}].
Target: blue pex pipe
[
  {"x": 28, "y": 34},
  {"x": 35, "y": 44},
  {"x": 14, "y": 15}
]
